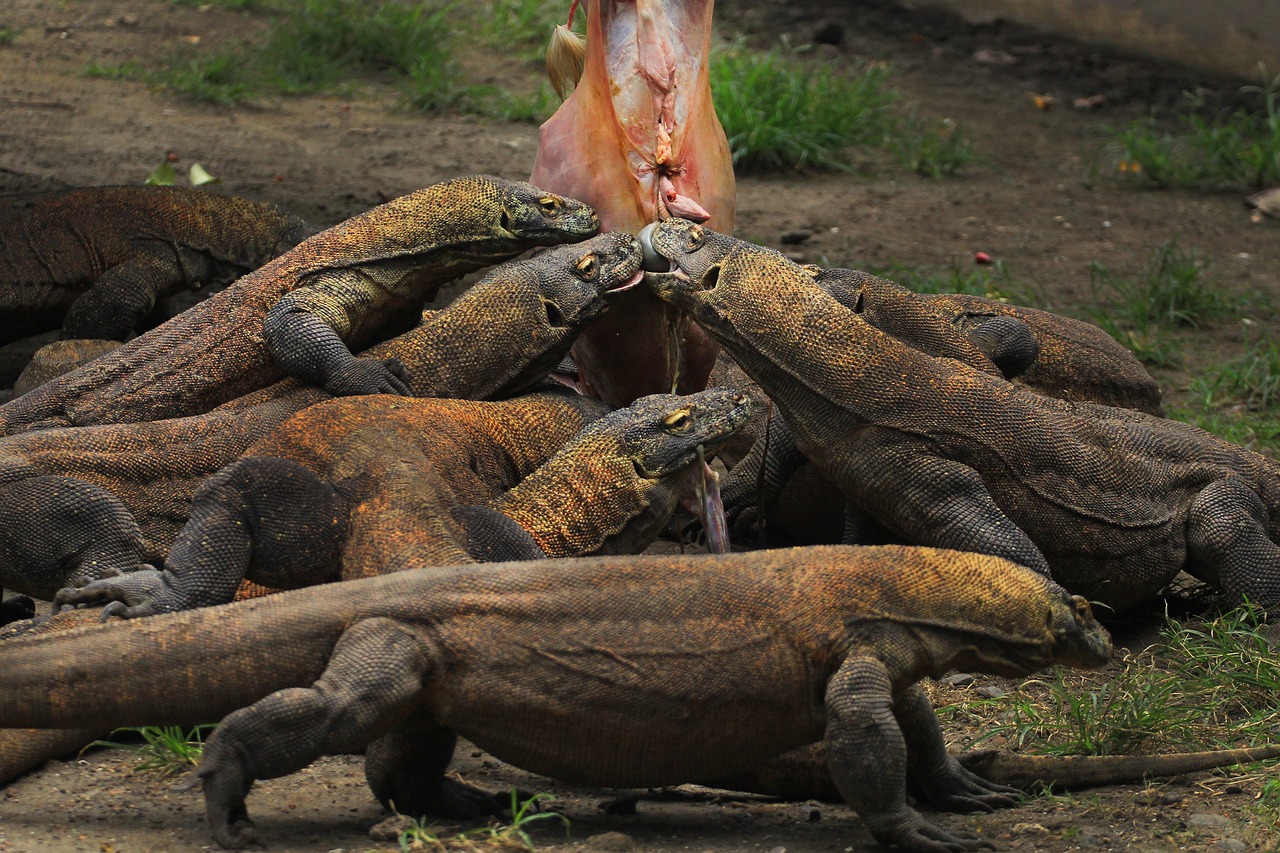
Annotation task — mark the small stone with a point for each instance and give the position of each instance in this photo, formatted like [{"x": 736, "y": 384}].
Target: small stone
[
  {"x": 795, "y": 237},
  {"x": 990, "y": 692},
  {"x": 958, "y": 679},
  {"x": 1230, "y": 845},
  {"x": 1204, "y": 820},
  {"x": 390, "y": 828},
  {"x": 611, "y": 842}
]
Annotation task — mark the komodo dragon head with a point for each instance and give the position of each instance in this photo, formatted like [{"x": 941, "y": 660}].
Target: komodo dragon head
[
  {"x": 561, "y": 290},
  {"x": 532, "y": 214},
  {"x": 640, "y": 458},
  {"x": 732, "y": 288}
]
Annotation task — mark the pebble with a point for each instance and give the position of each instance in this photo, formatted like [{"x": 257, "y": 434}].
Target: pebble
[
  {"x": 1231, "y": 845},
  {"x": 958, "y": 679},
  {"x": 1204, "y": 820},
  {"x": 990, "y": 692},
  {"x": 390, "y": 829},
  {"x": 611, "y": 842}
]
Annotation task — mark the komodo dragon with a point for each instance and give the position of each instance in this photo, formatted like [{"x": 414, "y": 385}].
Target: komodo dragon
[
  {"x": 1047, "y": 353},
  {"x": 82, "y": 503},
  {"x": 619, "y": 671},
  {"x": 1111, "y": 502},
  {"x": 365, "y": 486},
  {"x": 1070, "y": 359},
  {"x": 96, "y": 260},
  {"x": 299, "y": 314}
]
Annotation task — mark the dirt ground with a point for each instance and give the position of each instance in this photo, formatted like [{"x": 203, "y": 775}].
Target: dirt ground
[{"x": 1034, "y": 201}]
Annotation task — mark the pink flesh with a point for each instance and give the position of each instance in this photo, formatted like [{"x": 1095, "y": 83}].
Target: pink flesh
[{"x": 638, "y": 139}]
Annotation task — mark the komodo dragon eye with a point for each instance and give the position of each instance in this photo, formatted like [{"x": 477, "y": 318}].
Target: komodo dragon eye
[
  {"x": 588, "y": 266},
  {"x": 695, "y": 238},
  {"x": 550, "y": 204},
  {"x": 677, "y": 422},
  {"x": 1083, "y": 611}
]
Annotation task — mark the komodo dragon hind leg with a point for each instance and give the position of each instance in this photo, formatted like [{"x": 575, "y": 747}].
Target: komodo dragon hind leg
[
  {"x": 266, "y": 518},
  {"x": 376, "y": 670},
  {"x": 406, "y": 772},
  {"x": 1227, "y": 535},
  {"x": 60, "y": 531}
]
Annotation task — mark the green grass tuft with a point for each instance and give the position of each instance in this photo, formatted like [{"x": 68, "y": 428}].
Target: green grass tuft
[
  {"x": 933, "y": 149},
  {"x": 167, "y": 749},
  {"x": 220, "y": 78},
  {"x": 8, "y": 34},
  {"x": 1175, "y": 291},
  {"x": 993, "y": 281},
  {"x": 779, "y": 113},
  {"x": 1204, "y": 681},
  {"x": 1240, "y": 148},
  {"x": 422, "y": 836},
  {"x": 121, "y": 71}
]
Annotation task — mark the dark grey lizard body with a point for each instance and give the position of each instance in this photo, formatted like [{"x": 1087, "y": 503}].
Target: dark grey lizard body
[{"x": 96, "y": 260}]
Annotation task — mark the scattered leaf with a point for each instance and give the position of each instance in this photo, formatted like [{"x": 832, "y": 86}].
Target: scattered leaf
[
  {"x": 199, "y": 177},
  {"x": 162, "y": 175}
]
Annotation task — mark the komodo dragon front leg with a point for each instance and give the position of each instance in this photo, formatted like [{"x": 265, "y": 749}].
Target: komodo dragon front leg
[{"x": 376, "y": 672}]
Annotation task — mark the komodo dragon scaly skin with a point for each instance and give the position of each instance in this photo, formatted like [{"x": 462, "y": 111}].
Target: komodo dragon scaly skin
[
  {"x": 96, "y": 260},
  {"x": 366, "y": 486},
  {"x": 1112, "y": 502},
  {"x": 618, "y": 671},
  {"x": 299, "y": 314},
  {"x": 82, "y": 503}
]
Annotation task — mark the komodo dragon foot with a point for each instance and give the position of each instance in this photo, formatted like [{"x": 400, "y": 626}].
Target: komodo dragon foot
[{"x": 145, "y": 592}]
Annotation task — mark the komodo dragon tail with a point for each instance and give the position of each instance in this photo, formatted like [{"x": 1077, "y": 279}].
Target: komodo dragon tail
[
  {"x": 1089, "y": 771},
  {"x": 802, "y": 773},
  {"x": 176, "y": 669}
]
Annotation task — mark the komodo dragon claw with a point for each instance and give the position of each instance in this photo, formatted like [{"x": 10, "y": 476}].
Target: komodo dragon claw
[
  {"x": 369, "y": 376},
  {"x": 130, "y": 595}
]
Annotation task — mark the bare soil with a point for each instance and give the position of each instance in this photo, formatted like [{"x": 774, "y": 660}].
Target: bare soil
[{"x": 1034, "y": 201}]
